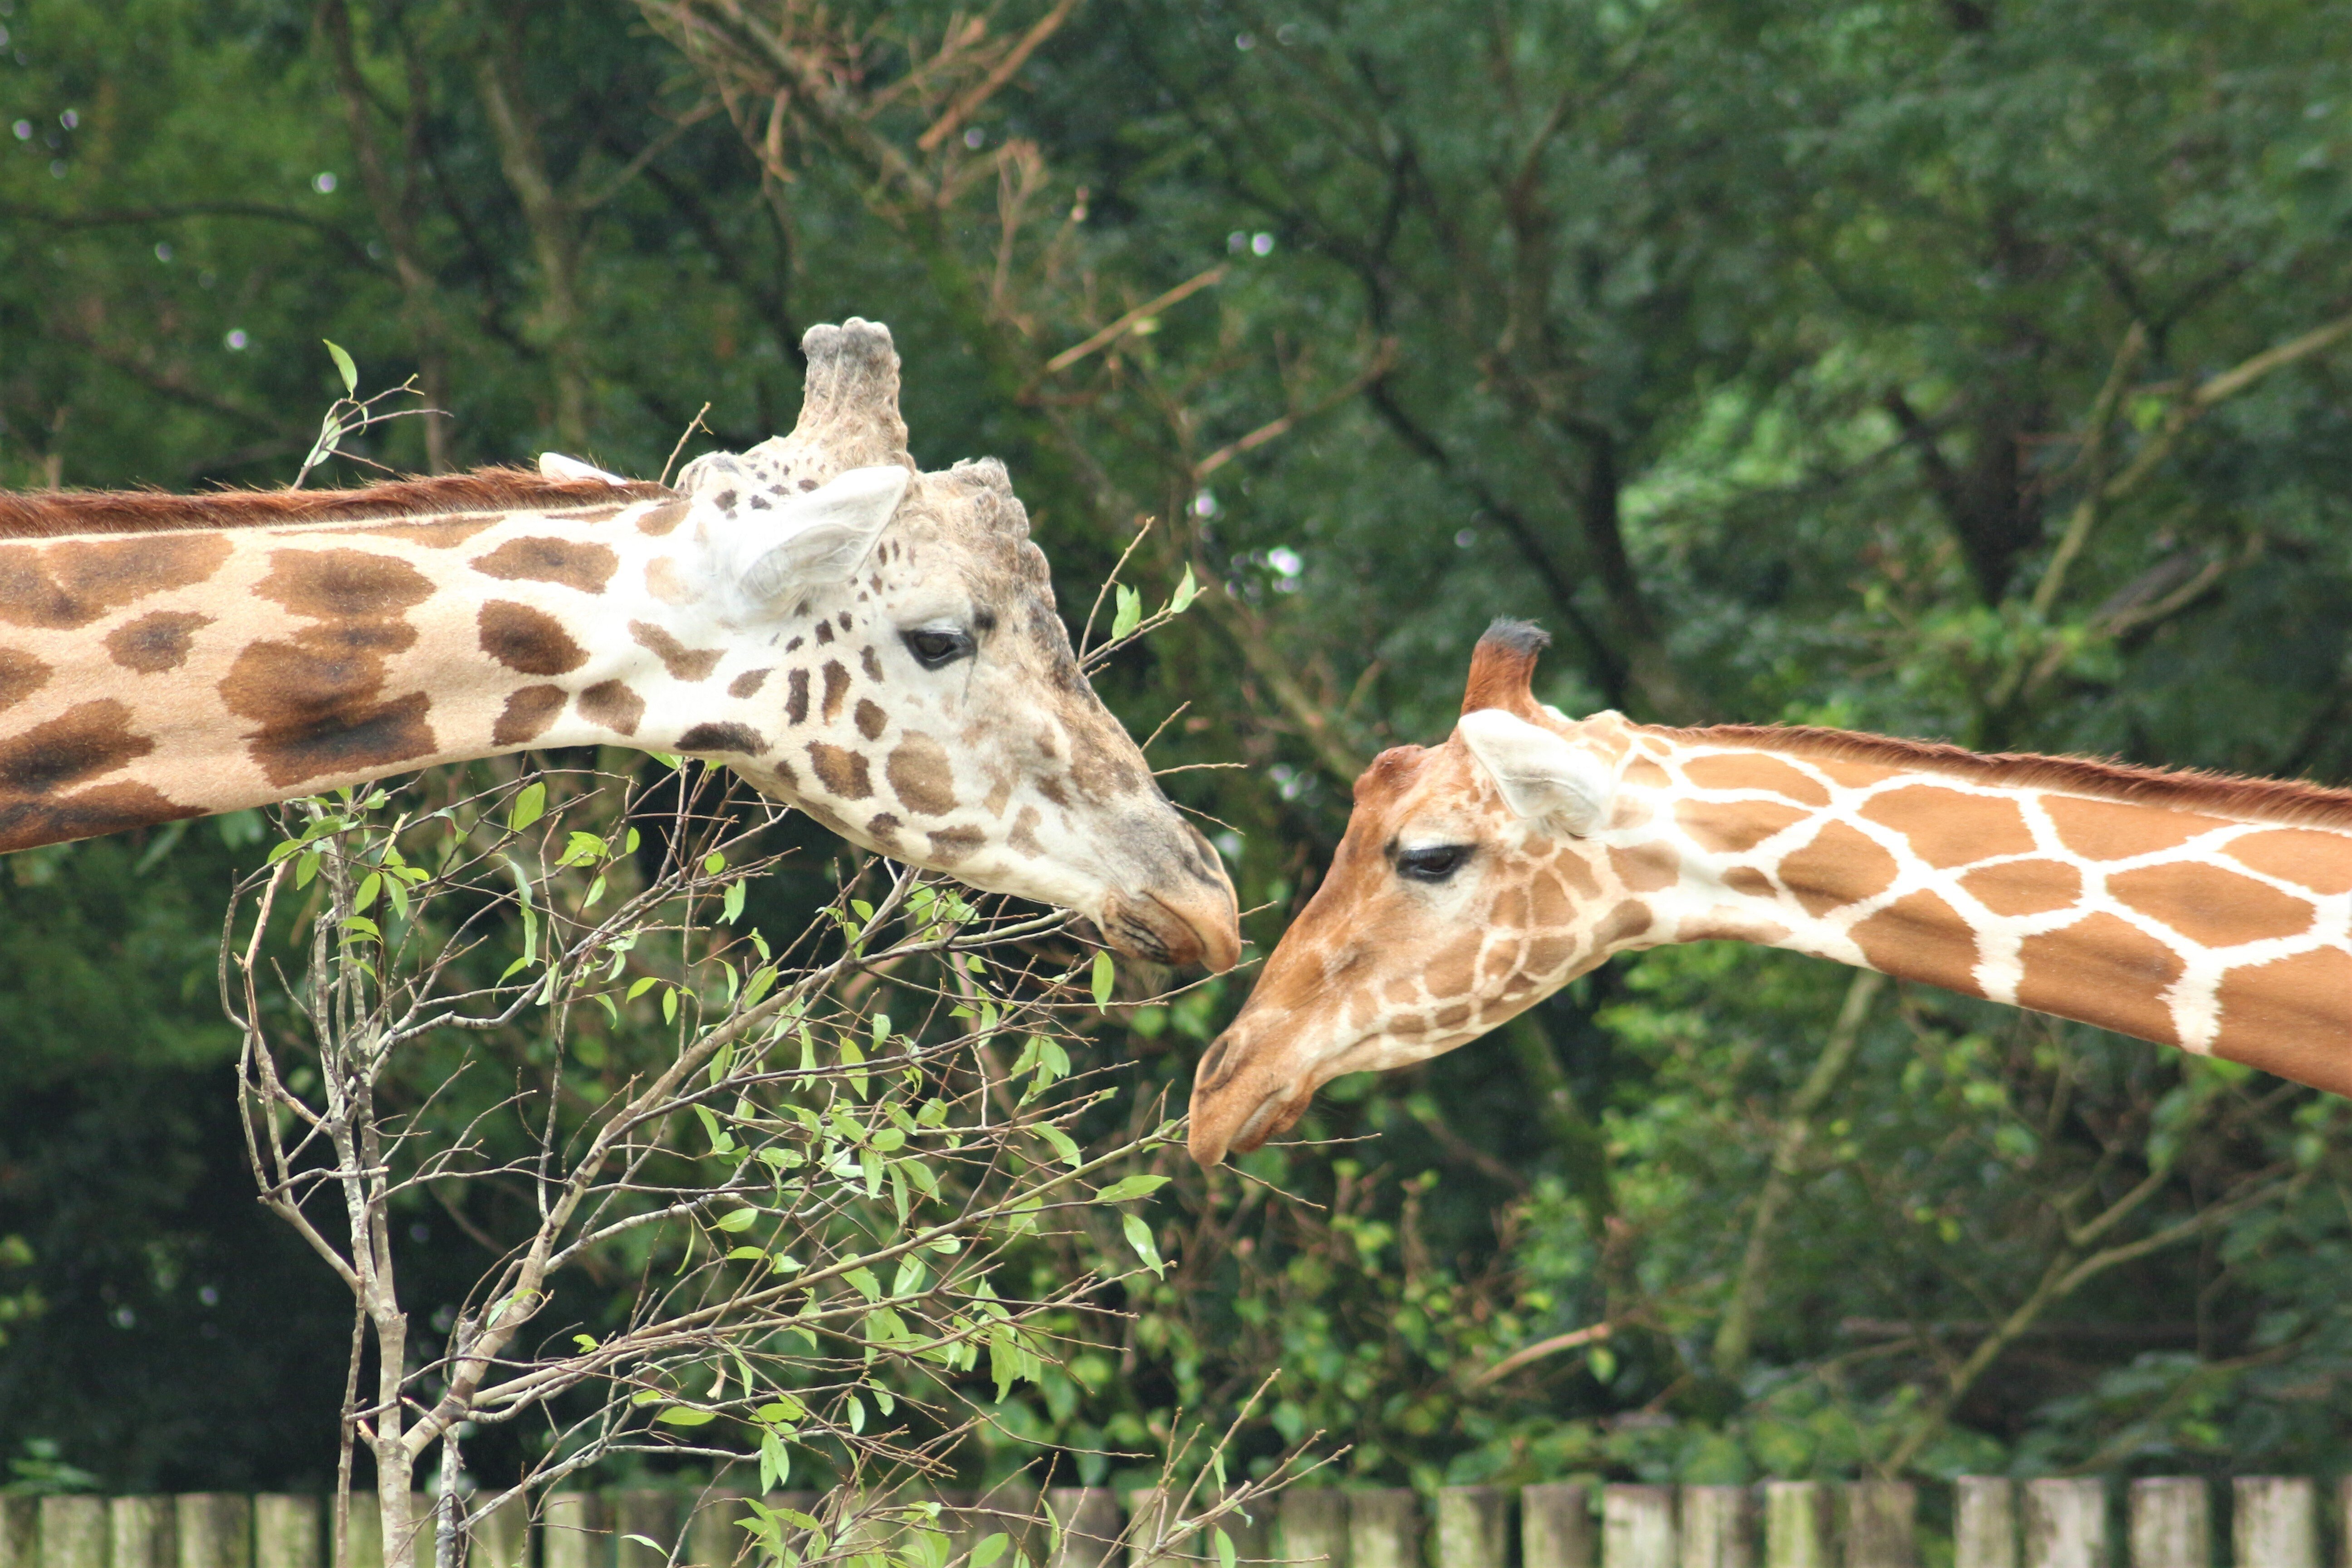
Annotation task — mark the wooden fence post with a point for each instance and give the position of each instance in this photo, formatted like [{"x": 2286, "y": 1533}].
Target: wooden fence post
[
  {"x": 2066, "y": 1523},
  {"x": 215, "y": 1529},
  {"x": 1384, "y": 1528},
  {"x": 1716, "y": 1522},
  {"x": 713, "y": 1536},
  {"x": 1313, "y": 1527},
  {"x": 651, "y": 1517},
  {"x": 1473, "y": 1527},
  {"x": 1984, "y": 1522},
  {"x": 568, "y": 1532},
  {"x": 499, "y": 1536},
  {"x": 1088, "y": 1519},
  {"x": 73, "y": 1532},
  {"x": 1637, "y": 1527},
  {"x": 1882, "y": 1524},
  {"x": 1556, "y": 1527},
  {"x": 285, "y": 1531},
  {"x": 20, "y": 1531},
  {"x": 142, "y": 1533},
  {"x": 2172, "y": 1522},
  {"x": 1796, "y": 1532},
  {"x": 2276, "y": 1523}
]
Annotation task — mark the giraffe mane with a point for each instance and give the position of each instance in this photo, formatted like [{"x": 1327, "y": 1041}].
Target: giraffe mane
[
  {"x": 2285, "y": 801},
  {"x": 44, "y": 514}
]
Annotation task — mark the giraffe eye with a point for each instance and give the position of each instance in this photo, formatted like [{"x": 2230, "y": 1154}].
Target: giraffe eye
[
  {"x": 935, "y": 650},
  {"x": 1432, "y": 864}
]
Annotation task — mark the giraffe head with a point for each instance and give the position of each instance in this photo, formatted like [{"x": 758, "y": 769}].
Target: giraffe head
[
  {"x": 1467, "y": 888},
  {"x": 923, "y": 700}
]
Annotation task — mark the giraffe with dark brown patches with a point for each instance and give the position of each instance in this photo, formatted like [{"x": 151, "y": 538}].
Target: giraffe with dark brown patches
[
  {"x": 168, "y": 656},
  {"x": 1480, "y": 875}
]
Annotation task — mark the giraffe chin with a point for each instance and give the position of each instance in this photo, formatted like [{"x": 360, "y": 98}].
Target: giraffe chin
[{"x": 1214, "y": 1135}]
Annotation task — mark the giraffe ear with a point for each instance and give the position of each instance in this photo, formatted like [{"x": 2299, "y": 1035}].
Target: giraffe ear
[
  {"x": 825, "y": 532},
  {"x": 1540, "y": 774}
]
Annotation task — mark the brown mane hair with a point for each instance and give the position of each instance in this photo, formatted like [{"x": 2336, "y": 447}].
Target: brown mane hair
[
  {"x": 2191, "y": 789},
  {"x": 45, "y": 514}
]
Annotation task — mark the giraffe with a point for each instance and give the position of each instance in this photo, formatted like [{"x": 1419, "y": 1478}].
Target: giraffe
[
  {"x": 874, "y": 645},
  {"x": 1478, "y": 876}
]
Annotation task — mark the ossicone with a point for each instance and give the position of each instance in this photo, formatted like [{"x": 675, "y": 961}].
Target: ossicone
[
  {"x": 849, "y": 402},
  {"x": 1503, "y": 667}
]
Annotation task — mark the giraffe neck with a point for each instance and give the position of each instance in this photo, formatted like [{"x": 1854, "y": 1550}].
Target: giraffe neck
[
  {"x": 2210, "y": 924},
  {"x": 151, "y": 676}
]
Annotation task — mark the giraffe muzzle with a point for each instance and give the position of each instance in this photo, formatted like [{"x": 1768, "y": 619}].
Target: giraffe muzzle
[
  {"x": 1202, "y": 928},
  {"x": 1233, "y": 1110}
]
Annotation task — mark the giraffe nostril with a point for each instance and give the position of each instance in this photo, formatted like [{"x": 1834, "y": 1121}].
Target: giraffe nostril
[{"x": 1212, "y": 1066}]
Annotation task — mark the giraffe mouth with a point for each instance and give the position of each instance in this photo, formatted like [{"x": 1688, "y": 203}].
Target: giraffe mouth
[{"x": 1154, "y": 928}]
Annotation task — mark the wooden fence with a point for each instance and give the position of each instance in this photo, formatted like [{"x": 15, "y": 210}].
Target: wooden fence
[{"x": 2168, "y": 1522}]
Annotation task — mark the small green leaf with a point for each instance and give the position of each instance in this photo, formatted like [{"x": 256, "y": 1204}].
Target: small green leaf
[
  {"x": 863, "y": 1280},
  {"x": 1104, "y": 977},
  {"x": 1225, "y": 1550},
  {"x": 1128, "y": 1187},
  {"x": 1131, "y": 613},
  {"x": 343, "y": 365},
  {"x": 1186, "y": 592},
  {"x": 730, "y": 906},
  {"x": 529, "y": 806},
  {"x": 735, "y": 1220},
  {"x": 1138, "y": 1237},
  {"x": 990, "y": 1549},
  {"x": 684, "y": 1415},
  {"x": 1062, "y": 1144}
]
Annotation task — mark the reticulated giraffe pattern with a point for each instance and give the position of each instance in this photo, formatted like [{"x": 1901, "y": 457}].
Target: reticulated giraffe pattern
[
  {"x": 1480, "y": 875},
  {"x": 874, "y": 644}
]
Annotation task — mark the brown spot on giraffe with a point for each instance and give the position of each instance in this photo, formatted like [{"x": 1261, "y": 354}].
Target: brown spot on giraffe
[
  {"x": 953, "y": 845},
  {"x": 871, "y": 719},
  {"x": 2320, "y": 861},
  {"x": 1644, "y": 867},
  {"x": 836, "y": 690},
  {"x": 1747, "y": 879},
  {"x": 683, "y": 663},
  {"x": 2104, "y": 970},
  {"x": 2210, "y": 905},
  {"x": 823, "y": 633},
  {"x": 921, "y": 775},
  {"x": 2284, "y": 1016},
  {"x": 725, "y": 738},
  {"x": 1923, "y": 938},
  {"x": 612, "y": 704},
  {"x": 663, "y": 519},
  {"x": 343, "y": 585},
  {"x": 666, "y": 582},
  {"x": 1736, "y": 826},
  {"x": 883, "y": 827},
  {"x": 85, "y": 743},
  {"x": 106, "y": 808},
  {"x": 841, "y": 772},
  {"x": 871, "y": 662},
  {"x": 155, "y": 642},
  {"x": 2025, "y": 887},
  {"x": 748, "y": 684},
  {"x": 441, "y": 534},
  {"x": 21, "y": 675},
  {"x": 796, "y": 702},
  {"x": 68, "y": 584},
  {"x": 527, "y": 715},
  {"x": 543, "y": 557},
  {"x": 1946, "y": 827},
  {"x": 2111, "y": 830},
  {"x": 1756, "y": 771},
  {"x": 1840, "y": 865},
  {"x": 528, "y": 640},
  {"x": 314, "y": 702},
  {"x": 1023, "y": 834}
]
